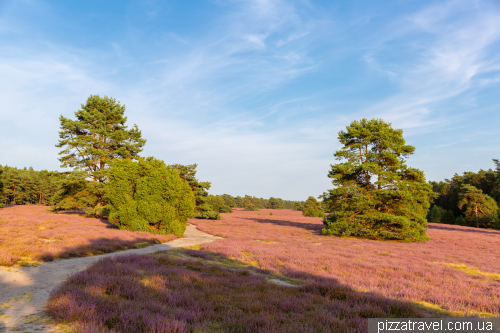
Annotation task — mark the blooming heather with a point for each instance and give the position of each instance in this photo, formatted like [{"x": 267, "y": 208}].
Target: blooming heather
[
  {"x": 457, "y": 270},
  {"x": 30, "y": 233},
  {"x": 159, "y": 293}
]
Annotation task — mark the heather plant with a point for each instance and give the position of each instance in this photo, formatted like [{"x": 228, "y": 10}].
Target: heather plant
[
  {"x": 148, "y": 196},
  {"x": 209, "y": 293},
  {"x": 312, "y": 208},
  {"x": 440, "y": 274},
  {"x": 29, "y": 234},
  {"x": 376, "y": 194}
]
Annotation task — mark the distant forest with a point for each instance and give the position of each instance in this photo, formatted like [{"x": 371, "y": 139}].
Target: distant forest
[
  {"x": 446, "y": 206},
  {"x": 27, "y": 186}
]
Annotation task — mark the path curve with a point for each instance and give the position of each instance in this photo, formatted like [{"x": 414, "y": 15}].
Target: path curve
[{"x": 26, "y": 290}]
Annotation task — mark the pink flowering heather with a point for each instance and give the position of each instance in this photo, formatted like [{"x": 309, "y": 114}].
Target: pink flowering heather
[
  {"x": 458, "y": 270},
  {"x": 197, "y": 293},
  {"x": 31, "y": 234}
]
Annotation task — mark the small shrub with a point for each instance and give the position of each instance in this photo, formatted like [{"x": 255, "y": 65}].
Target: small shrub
[{"x": 271, "y": 213}]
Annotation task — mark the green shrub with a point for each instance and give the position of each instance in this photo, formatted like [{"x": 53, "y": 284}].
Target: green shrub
[
  {"x": 312, "y": 208},
  {"x": 225, "y": 209},
  {"x": 148, "y": 196}
]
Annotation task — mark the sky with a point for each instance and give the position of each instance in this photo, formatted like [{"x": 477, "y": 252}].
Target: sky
[{"x": 256, "y": 91}]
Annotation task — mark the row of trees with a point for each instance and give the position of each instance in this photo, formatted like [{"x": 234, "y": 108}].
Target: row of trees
[
  {"x": 251, "y": 203},
  {"x": 470, "y": 199},
  {"x": 27, "y": 186}
]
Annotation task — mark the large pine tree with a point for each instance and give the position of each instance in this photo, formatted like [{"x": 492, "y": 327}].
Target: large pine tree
[
  {"x": 376, "y": 194},
  {"x": 91, "y": 142}
]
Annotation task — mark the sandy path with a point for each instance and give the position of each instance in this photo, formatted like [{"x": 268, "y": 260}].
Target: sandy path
[{"x": 26, "y": 290}]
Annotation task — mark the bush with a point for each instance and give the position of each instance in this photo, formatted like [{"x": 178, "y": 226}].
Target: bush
[
  {"x": 148, "y": 196},
  {"x": 312, "y": 208},
  {"x": 225, "y": 209}
]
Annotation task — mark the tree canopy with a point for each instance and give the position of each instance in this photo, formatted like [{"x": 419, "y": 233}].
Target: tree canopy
[
  {"x": 97, "y": 137},
  {"x": 203, "y": 209},
  {"x": 91, "y": 143},
  {"x": 478, "y": 207},
  {"x": 376, "y": 194}
]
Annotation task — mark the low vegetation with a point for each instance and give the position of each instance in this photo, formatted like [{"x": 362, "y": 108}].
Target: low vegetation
[
  {"x": 290, "y": 244},
  {"x": 193, "y": 291},
  {"x": 30, "y": 235}
]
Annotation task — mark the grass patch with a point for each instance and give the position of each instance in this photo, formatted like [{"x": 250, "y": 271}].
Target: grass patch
[{"x": 473, "y": 271}]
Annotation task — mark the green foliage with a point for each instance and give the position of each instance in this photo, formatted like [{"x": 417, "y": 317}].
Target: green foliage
[
  {"x": 276, "y": 203},
  {"x": 448, "y": 190},
  {"x": 228, "y": 200},
  {"x": 297, "y": 206},
  {"x": 250, "y": 206},
  {"x": 27, "y": 186},
  {"x": 203, "y": 209},
  {"x": 448, "y": 217},
  {"x": 312, "y": 208},
  {"x": 149, "y": 196},
  {"x": 439, "y": 215},
  {"x": 376, "y": 194},
  {"x": 460, "y": 220},
  {"x": 225, "y": 209},
  {"x": 271, "y": 213},
  {"x": 479, "y": 209},
  {"x": 1, "y": 188},
  {"x": 97, "y": 137},
  {"x": 91, "y": 143}
]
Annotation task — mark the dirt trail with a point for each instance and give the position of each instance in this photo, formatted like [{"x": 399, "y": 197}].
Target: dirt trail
[{"x": 24, "y": 291}]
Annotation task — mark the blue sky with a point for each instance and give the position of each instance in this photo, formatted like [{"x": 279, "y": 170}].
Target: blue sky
[{"x": 255, "y": 91}]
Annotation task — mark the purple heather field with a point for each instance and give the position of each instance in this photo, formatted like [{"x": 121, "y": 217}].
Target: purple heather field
[
  {"x": 226, "y": 286},
  {"x": 30, "y": 234}
]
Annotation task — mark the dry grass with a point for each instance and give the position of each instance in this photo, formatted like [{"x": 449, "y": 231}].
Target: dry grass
[{"x": 30, "y": 234}]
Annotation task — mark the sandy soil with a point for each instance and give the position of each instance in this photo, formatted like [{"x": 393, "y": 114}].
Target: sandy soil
[{"x": 24, "y": 291}]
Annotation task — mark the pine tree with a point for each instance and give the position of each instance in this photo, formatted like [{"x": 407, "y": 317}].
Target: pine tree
[
  {"x": 203, "y": 210},
  {"x": 149, "y": 196},
  {"x": 93, "y": 141},
  {"x": 477, "y": 206},
  {"x": 376, "y": 194}
]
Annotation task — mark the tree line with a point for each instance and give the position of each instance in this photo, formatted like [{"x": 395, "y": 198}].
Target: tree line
[
  {"x": 27, "y": 186},
  {"x": 470, "y": 199}
]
